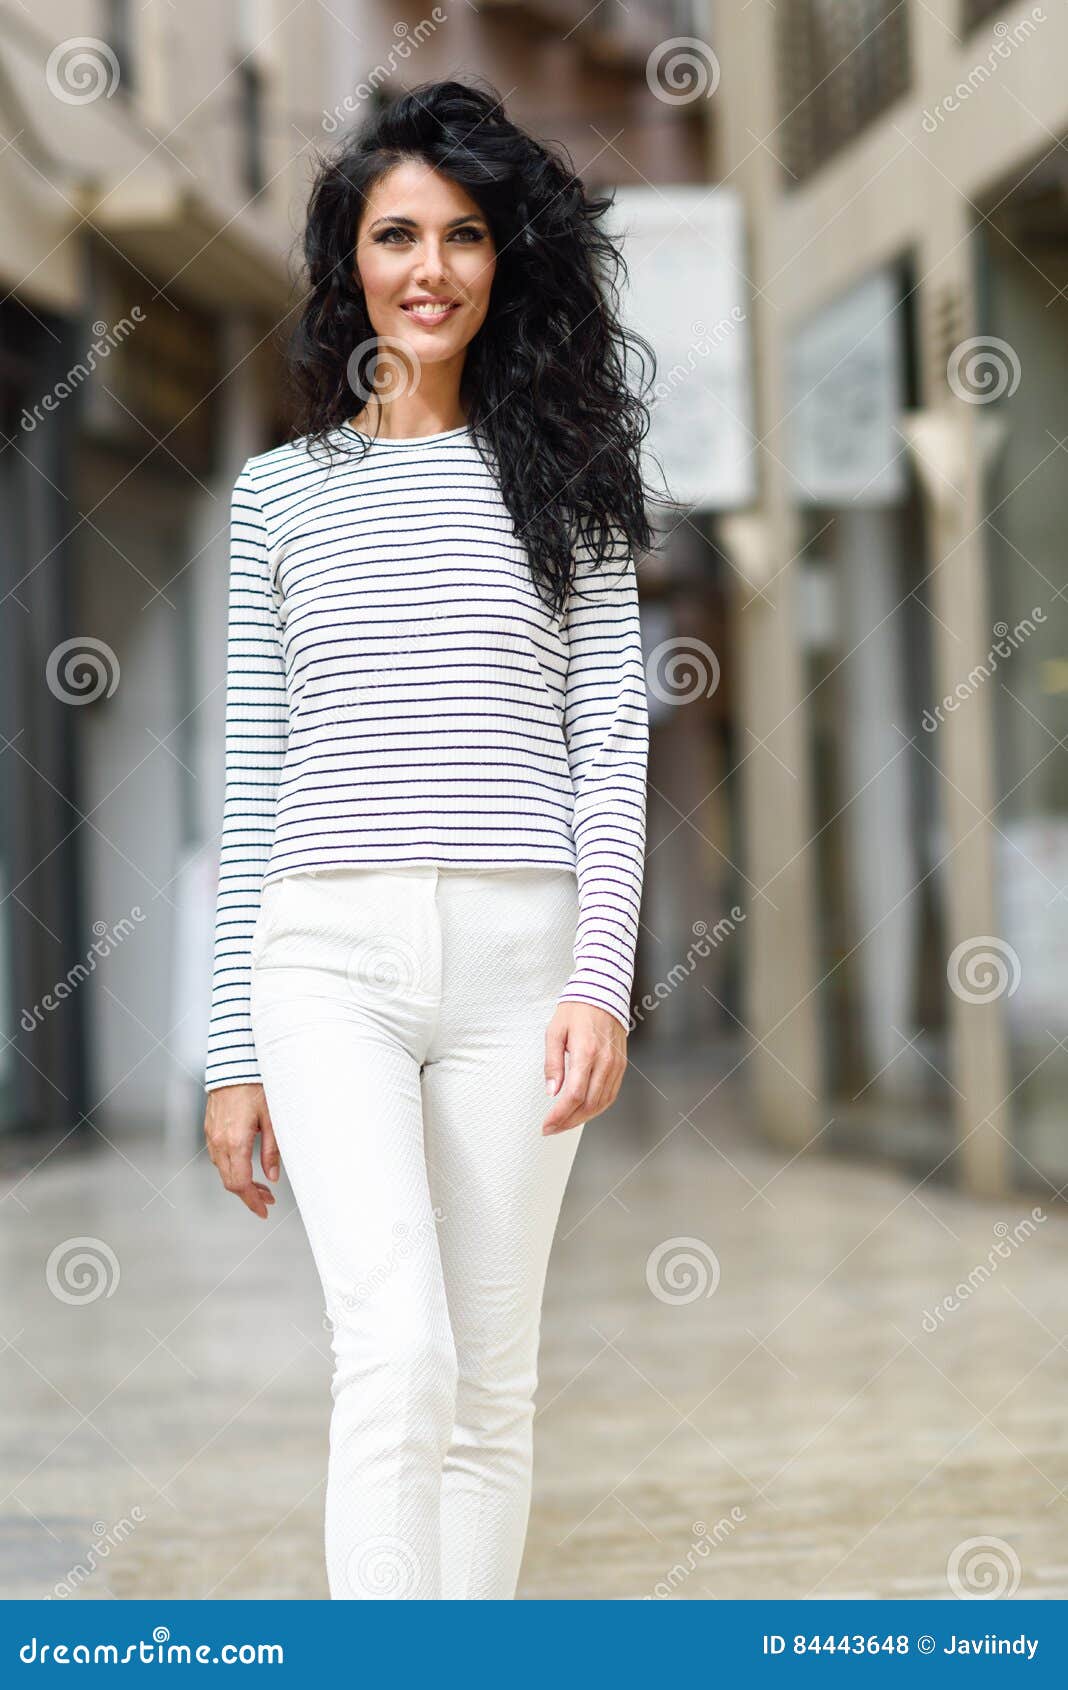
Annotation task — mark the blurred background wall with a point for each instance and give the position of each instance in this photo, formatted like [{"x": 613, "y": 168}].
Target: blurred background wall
[{"x": 855, "y": 275}]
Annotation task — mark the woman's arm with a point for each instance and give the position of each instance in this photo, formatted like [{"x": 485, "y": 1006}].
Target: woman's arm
[
  {"x": 606, "y": 725},
  {"x": 256, "y": 727}
]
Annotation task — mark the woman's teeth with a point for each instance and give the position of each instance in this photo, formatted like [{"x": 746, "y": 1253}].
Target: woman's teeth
[{"x": 431, "y": 312}]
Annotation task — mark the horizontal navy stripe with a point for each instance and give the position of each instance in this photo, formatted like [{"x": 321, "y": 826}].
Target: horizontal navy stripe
[{"x": 398, "y": 692}]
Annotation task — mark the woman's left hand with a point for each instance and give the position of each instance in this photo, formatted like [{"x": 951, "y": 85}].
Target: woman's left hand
[{"x": 596, "y": 1046}]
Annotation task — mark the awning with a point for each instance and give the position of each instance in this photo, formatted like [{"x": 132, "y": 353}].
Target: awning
[{"x": 77, "y": 149}]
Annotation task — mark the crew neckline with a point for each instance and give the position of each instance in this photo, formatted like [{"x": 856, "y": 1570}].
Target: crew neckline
[{"x": 407, "y": 440}]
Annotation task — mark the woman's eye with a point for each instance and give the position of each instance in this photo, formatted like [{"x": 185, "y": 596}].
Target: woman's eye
[{"x": 384, "y": 238}]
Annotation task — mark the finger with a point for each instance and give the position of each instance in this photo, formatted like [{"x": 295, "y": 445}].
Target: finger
[
  {"x": 270, "y": 1160},
  {"x": 571, "y": 1098},
  {"x": 600, "y": 1091},
  {"x": 257, "y": 1197},
  {"x": 237, "y": 1174},
  {"x": 603, "y": 1091},
  {"x": 555, "y": 1042},
  {"x": 574, "y": 1118}
]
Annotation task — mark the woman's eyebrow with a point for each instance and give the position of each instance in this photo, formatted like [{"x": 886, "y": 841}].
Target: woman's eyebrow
[{"x": 410, "y": 222}]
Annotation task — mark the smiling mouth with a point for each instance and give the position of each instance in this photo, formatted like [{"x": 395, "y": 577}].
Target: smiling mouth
[{"x": 430, "y": 313}]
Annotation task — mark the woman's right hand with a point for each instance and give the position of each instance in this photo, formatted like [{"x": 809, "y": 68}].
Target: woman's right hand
[{"x": 234, "y": 1115}]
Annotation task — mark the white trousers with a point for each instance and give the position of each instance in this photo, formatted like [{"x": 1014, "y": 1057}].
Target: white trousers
[{"x": 399, "y": 1018}]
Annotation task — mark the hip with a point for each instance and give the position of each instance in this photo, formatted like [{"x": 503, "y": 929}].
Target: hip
[{"x": 421, "y": 929}]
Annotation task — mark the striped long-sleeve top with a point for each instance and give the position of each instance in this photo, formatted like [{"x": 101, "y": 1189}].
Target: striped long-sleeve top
[{"x": 397, "y": 691}]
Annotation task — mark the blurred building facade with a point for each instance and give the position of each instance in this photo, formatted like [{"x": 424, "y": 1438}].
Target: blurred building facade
[
  {"x": 900, "y": 632},
  {"x": 144, "y": 192}
]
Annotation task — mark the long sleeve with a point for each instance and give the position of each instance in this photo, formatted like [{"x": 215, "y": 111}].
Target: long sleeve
[
  {"x": 606, "y": 726},
  {"x": 256, "y": 728}
]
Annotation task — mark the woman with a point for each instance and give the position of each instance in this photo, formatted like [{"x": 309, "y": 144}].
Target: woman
[{"x": 434, "y": 827}]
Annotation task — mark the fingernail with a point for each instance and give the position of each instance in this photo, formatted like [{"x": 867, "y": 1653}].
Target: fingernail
[{"x": 550, "y": 1087}]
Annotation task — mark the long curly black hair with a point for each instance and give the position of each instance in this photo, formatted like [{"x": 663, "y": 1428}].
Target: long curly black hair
[{"x": 544, "y": 383}]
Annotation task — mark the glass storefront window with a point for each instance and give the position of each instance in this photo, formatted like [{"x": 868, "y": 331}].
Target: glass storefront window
[{"x": 1026, "y": 495}]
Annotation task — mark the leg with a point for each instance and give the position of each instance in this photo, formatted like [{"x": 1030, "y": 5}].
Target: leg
[
  {"x": 340, "y": 1060},
  {"x": 498, "y": 1184}
]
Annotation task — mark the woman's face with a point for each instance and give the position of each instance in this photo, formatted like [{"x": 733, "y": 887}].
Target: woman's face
[{"x": 421, "y": 237}]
